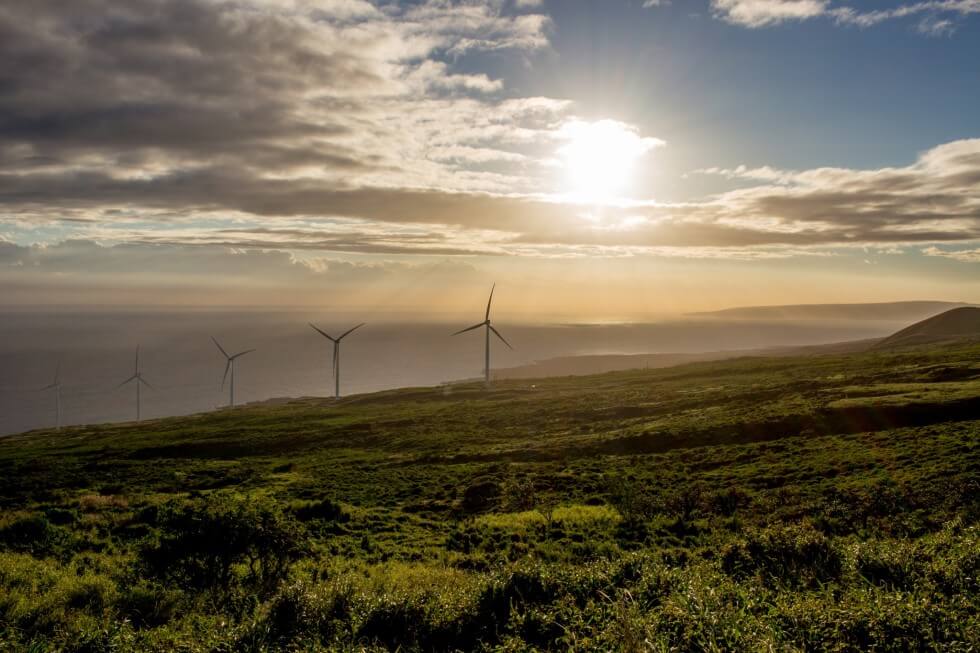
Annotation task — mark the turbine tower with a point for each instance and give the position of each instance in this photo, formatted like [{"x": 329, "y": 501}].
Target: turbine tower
[
  {"x": 56, "y": 386},
  {"x": 140, "y": 381},
  {"x": 230, "y": 365},
  {"x": 486, "y": 323},
  {"x": 336, "y": 353}
]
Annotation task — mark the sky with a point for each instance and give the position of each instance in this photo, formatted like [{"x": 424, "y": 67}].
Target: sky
[{"x": 597, "y": 159}]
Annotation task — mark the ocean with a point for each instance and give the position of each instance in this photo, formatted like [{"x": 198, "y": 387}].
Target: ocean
[{"x": 96, "y": 349}]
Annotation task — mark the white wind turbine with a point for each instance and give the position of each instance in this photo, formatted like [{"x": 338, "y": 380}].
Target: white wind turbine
[
  {"x": 230, "y": 365},
  {"x": 336, "y": 353},
  {"x": 56, "y": 386},
  {"x": 140, "y": 381},
  {"x": 486, "y": 323}
]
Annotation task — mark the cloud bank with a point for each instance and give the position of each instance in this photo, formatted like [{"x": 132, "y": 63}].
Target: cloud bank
[{"x": 295, "y": 130}]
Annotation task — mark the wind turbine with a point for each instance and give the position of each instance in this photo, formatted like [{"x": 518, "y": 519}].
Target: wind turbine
[
  {"x": 56, "y": 386},
  {"x": 230, "y": 365},
  {"x": 140, "y": 381},
  {"x": 336, "y": 353},
  {"x": 486, "y": 323}
]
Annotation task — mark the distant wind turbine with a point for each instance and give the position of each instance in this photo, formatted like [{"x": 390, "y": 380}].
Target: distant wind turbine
[
  {"x": 230, "y": 365},
  {"x": 140, "y": 381},
  {"x": 336, "y": 353},
  {"x": 486, "y": 323},
  {"x": 56, "y": 386}
]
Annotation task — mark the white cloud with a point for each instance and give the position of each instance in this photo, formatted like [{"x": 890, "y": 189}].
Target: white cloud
[
  {"x": 762, "y": 13},
  {"x": 939, "y": 21},
  {"x": 963, "y": 255},
  {"x": 934, "y": 26}
]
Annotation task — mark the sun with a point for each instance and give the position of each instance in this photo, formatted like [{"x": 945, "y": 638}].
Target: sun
[{"x": 598, "y": 158}]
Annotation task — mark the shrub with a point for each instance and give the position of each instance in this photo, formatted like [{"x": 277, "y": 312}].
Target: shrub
[
  {"x": 726, "y": 502},
  {"x": 519, "y": 494},
  {"x": 202, "y": 542},
  {"x": 631, "y": 498},
  {"x": 148, "y": 604},
  {"x": 61, "y": 516},
  {"x": 890, "y": 564},
  {"x": 481, "y": 495},
  {"x": 794, "y": 555},
  {"x": 32, "y": 534},
  {"x": 324, "y": 510},
  {"x": 302, "y": 611},
  {"x": 685, "y": 501}
]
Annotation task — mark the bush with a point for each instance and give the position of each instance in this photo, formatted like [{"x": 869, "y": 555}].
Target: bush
[
  {"x": 203, "y": 541},
  {"x": 794, "y": 555},
  {"x": 148, "y": 604},
  {"x": 519, "y": 494},
  {"x": 32, "y": 534},
  {"x": 726, "y": 502},
  {"x": 481, "y": 495},
  {"x": 301, "y": 611},
  {"x": 889, "y": 564},
  {"x": 61, "y": 516},
  {"x": 632, "y": 499},
  {"x": 324, "y": 510}
]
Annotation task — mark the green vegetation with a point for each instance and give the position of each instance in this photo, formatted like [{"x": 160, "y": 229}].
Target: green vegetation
[{"x": 823, "y": 503}]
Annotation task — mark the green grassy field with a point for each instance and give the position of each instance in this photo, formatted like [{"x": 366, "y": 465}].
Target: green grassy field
[{"x": 823, "y": 503}]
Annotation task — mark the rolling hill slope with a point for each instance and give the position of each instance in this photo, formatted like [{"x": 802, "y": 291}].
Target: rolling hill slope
[
  {"x": 795, "y": 503},
  {"x": 957, "y": 324}
]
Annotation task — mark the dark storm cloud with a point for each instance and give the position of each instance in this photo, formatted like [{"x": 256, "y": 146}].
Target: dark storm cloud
[{"x": 194, "y": 78}]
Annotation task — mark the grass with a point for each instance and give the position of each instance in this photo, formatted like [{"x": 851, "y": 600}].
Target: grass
[{"x": 821, "y": 503}]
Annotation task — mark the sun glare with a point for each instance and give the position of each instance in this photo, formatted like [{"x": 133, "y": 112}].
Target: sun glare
[{"x": 599, "y": 157}]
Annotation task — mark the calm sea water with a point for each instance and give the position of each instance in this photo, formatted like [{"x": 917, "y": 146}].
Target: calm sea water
[{"x": 96, "y": 351}]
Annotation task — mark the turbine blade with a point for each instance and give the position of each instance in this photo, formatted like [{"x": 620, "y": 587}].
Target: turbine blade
[
  {"x": 475, "y": 326},
  {"x": 349, "y": 331},
  {"x": 336, "y": 355},
  {"x": 489, "y": 301},
  {"x": 225, "y": 377},
  {"x": 241, "y": 353},
  {"x": 145, "y": 382},
  {"x": 322, "y": 332},
  {"x": 48, "y": 387},
  {"x": 127, "y": 381},
  {"x": 137, "y": 359},
  {"x": 57, "y": 374},
  {"x": 501, "y": 337},
  {"x": 219, "y": 347}
]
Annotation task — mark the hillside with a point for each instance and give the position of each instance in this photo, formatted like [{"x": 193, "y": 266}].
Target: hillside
[
  {"x": 885, "y": 311},
  {"x": 957, "y": 324},
  {"x": 602, "y": 363},
  {"x": 794, "y": 503}
]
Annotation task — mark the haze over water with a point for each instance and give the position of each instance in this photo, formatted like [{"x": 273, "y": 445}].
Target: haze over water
[{"x": 96, "y": 350}]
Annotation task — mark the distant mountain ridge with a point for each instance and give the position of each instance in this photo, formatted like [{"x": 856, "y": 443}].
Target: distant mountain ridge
[
  {"x": 897, "y": 311},
  {"x": 958, "y": 324}
]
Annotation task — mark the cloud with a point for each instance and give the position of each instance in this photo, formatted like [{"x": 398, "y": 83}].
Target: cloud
[
  {"x": 940, "y": 19},
  {"x": 935, "y": 199},
  {"x": 935, "y": 26},
  {"x": 351, "y": 127},
  {"x": 762, "y": 13},
  {"x": 963, "y": 255},
  {"x": 146, "y": 88},
  {"x": 173, "y": 272}
]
